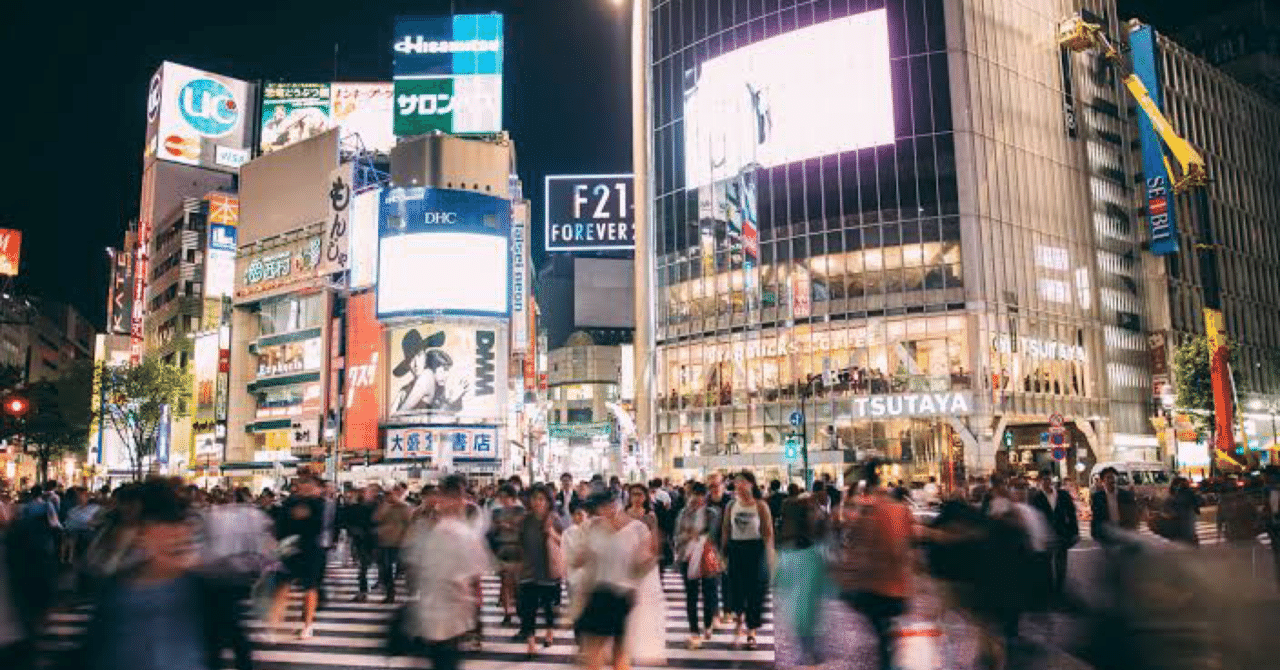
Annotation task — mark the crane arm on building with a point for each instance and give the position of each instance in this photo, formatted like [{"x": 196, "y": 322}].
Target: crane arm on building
[{"x": 1077, "y": 34}]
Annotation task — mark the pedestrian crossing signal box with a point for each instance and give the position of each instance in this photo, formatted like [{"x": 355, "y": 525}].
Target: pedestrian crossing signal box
[
  {"x": 1008, "y": 439},
  {"x": 791, "y": 449}
]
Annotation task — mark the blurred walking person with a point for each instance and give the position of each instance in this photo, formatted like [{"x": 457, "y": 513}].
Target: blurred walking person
[
  {"x": 746, "y": 536},
  {"x": 357, "y": 519},
  {"x": 697, "y": 533},
  {"x": 391, "y": 522},
  {"x": 299, "y": 525},
  {"x": 541, "y": 568},
  {"x": 1059, "y": 511},
  {"x": 238, "y": 547},
  {"x": 504, "y": 540},
  {"x": 1113, "y": 508},
  {"x": 801, "y": 578},
  {"x": 873, "y": 568},
  {"x": 616, "y": 555},
  {"x": 646, "y": 627},
  {"x": 446, "y": 567}
]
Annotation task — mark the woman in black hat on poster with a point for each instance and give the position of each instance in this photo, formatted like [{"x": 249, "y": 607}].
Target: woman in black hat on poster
[{"x": 428, "y": 388}]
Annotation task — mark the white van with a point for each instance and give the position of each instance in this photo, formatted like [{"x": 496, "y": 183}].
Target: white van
[{"x": 1148, "y": 480}]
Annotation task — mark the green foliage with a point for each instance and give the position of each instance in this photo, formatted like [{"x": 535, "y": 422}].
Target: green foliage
[
  {"x": 136, "y": 397},
  {"x": 1193, "y": 380},
  {"x": 59, "y": 415}
]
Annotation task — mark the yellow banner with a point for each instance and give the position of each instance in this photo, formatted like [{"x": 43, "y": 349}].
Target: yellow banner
[{"x": 1215, "y": 326}]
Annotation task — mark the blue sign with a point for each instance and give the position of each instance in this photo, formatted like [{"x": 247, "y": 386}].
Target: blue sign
[
  {"x": 406, "y": 211},
  {"x": 209, "y": 107},
  {"x": 1155, "y": 173},
  {"x": 797, "y": 418},
  {"x": 791, "y": 451},
  {"x": 447, "y": 45},
  {"x": 222, "y": 237}
]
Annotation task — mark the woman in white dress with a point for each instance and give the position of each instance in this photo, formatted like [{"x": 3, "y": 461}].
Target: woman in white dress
[
  {"x": 646, "y": 629},
  {"x": 615, "y": 555}
]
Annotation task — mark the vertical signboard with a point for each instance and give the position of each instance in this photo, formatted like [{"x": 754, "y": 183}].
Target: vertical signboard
[
  {"x": 205, "y": 352},
  {"x": 1155, "y": 173},
  {"x": 337, "y": 232},
  {"x": 120, "y": 305},
  {"x": 292, "y": 113},
  {"x": 220, "y": 259},
  {"x": 10, "y": 251},
  {"x": 519, "y": 277},
  {"x": 448, "y": 74},
  {"x": 365, "y": 361},
  {"x": 363, "y": 238},
  {"x": 136, "y": 331}
]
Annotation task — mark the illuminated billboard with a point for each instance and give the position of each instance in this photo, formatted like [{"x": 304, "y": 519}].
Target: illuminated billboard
[
  {"x": 815, "y": 91},
  {"x": 289, "y": 358},
  {"x": 364, "y": 238},
  {"x": 205, "y": 366},
  {"x": 220, "y": 256},
  {"x": 430, "y": 240},
  {"x": 10, "y": 251},
  {"x": 590, "y": 212},
  {"x": 450, "y": 372},
  {"x": 120, "y": 309},
  {"x": 365, "y": 109},
  {"x": 293, "y": 112},
  {"x": 199, "y": 118},
  {"x": 448, "y": 74},
  {"x": 365, "y": 370}
]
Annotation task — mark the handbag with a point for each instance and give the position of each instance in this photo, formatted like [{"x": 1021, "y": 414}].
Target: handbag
[{"x": 712, "y": 564}]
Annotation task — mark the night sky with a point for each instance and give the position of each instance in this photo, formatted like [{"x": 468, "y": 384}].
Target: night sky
[{"x": 74, "y": 114}]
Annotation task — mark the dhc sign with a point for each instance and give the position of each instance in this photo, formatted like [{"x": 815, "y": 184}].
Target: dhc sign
[{"x": 1155, "y": 174}]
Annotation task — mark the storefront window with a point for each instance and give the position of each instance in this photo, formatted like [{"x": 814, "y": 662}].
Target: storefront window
[{"x": 289, "y": 314}]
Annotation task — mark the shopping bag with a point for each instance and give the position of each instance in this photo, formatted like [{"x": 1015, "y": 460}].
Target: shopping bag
[
  {"x": 712, "y": 564},
  {"x": 916, "y": 646},
  {"x": 694, "y": 557}
]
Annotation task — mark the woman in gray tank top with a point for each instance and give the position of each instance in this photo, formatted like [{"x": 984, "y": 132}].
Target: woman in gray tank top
[{"x": 747, "y": 534}]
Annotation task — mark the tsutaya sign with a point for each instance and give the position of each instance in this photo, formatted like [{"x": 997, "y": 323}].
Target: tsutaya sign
[
  {"x": 912, "y": 405},
  {"x": 1034, "y": 348}
]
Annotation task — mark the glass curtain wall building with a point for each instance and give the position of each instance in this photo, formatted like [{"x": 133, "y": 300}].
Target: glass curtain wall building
[{"x": 874, "y": 214}]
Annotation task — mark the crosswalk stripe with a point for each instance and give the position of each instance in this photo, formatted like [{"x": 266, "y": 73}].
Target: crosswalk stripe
[{"x": 351, "y": 634}]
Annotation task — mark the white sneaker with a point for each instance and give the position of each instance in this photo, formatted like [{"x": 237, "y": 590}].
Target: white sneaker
[
  {"x": 695, "y": 642},
  {"x": 304, "y": 633}
]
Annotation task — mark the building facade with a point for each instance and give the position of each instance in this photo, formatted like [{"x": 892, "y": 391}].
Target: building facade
[
  {"x": 1236, "y": 129},
  {"x": 586, "y": 417},
  {"x": 942, "y": 270}
]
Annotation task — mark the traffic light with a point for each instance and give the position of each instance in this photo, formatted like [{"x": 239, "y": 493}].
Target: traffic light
[
  {"x": 1008, "y": 439},
  {"x": 16, "y": 406}
]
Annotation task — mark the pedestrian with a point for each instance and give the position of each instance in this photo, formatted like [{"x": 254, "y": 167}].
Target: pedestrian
[
  {"x": 646, "y": 627},
  {"x": 1113, "y": 508},
  {"x": 873, "y": 568},
  {"x": 1176, "y": 520},
  {"x": 931, "y": 494},
  {"x": 697, "y": 546},
  {"x": 238, "y": 548},
  {"x": 504, "y": 540},
  {"x": 775, "y": 498},
  {"x": 1271, "y": 514},
  {"x": 801, "y": 578},
  {"x": 541, "y": 568},
  {"x": 446, "y": 570},
  {"x": 161, "y": 614},
  {"x": 357, "y": 520},
  {"x": 298, "y": 527},
  {"x": 719, "y": 497},
  {"x": 746, "y": 537},
  {"x": 571, "y": 544},
  {"x": 1059, "y": 511},
  {"x": 566, "y": 496},
  {"x": 616, "y": 555}
]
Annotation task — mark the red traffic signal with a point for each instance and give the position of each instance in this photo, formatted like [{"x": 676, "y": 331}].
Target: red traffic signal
[{"x": 16, "y": 406}]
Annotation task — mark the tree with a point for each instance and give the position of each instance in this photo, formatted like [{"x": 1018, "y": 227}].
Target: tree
[
  {"x": 1193, "y": 381},
  {"x": 58, "y": 417},
  {"x": 141, "y": 399}
]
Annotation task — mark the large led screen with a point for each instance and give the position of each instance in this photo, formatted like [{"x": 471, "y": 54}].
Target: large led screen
[
  {"x": 451, "y": 273},
  {"x": 442, "y": 251},
  {"x": 811, "y": 92}
]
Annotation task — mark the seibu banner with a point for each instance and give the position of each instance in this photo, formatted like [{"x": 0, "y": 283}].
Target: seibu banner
[
  {"x": 1161, "y": 220},
  {"x": 365, "y": 362}
]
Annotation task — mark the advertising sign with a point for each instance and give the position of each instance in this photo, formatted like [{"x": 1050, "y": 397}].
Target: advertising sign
[
  {"x": 291, "y": 400},
  {"x": 773, "y": 102},
  {"x": 224, "y": 209},
  {"x": 289, "y": 358},
  {"x": 119, "y": 307},
  {"x": 1161, "y": 220},
  {"x": 293, "y": 112},
  {"x": 519, "y": 279},
  {"x": 10, "y": 251},
  {"x": 448, "y": 74},
  {"x": 590, "y": 212},
  {"x": 365, "y": 110},
  {"x": 198, "y": 114},
  {"x": 140, "y": 263},
  {"x": 363, "y": 236},
  {"x": 430, "y": 238},
  {"x": 447, "y": 372},
  {"x": 206, "y": 446},
  {"x": 365, "y": 361},
  {"x": 438, "y": 444},
  {"x": 205, "y": 366},
  {"x": 337, "y": 229},
  {"x": 272, "y": 269}
]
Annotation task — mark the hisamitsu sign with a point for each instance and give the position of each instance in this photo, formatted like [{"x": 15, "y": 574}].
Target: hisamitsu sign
[{"x": 590, "y": 212}]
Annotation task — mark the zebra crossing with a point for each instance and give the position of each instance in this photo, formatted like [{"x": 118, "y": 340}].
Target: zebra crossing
[
  {"x": 353, "y": 635},
  {"x": 1206, "y": 531}
]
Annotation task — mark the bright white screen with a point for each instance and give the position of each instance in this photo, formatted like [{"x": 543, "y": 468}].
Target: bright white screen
[
  {"x": 364, "y": 237},
  {"x": 810, "y": 92},
  {"x": 448, "y": 272}
]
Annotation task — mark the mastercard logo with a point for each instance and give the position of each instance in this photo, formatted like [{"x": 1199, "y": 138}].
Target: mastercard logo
[{"x": 182, "y": 147}]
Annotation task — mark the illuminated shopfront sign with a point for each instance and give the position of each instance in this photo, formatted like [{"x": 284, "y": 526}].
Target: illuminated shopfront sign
[
  {"x": 912, "y": 405},
  {"x": 1045, "y": 349}
]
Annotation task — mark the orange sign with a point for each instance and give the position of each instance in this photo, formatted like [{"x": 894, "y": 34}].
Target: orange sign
[
  {"x": 365, "y": 369},
  {"x": 10, "y": 251},
  {"x": 223, "y": 209}
]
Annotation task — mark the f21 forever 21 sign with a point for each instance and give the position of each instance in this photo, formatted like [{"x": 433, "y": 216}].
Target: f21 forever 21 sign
[{"x": 590, "y": 212}]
